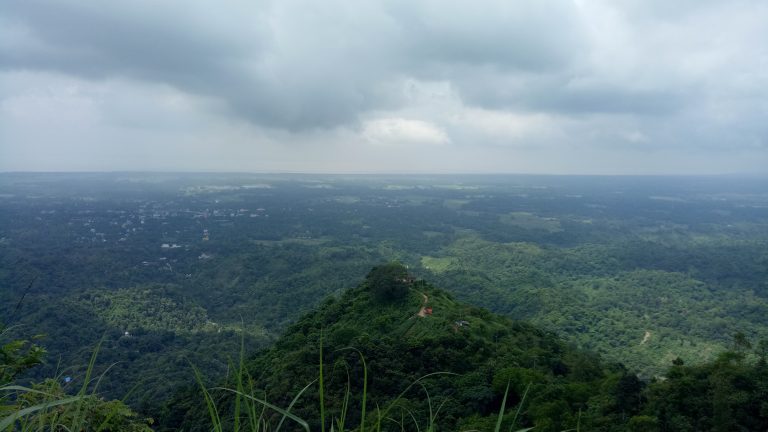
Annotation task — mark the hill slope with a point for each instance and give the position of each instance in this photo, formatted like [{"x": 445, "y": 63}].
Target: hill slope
[{"x": 408, "y": 329}]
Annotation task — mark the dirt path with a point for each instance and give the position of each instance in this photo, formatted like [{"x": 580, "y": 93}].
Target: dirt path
[
  {"x": 645, "y": 337},
  {"x": 423, "y": 311}
]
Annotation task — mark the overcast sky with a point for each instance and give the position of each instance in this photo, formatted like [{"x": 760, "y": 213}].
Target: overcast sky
[{"x": 523, "y": 86}]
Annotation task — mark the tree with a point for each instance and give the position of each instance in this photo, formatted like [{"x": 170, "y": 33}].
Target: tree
[{"x": 388, "y": 282}]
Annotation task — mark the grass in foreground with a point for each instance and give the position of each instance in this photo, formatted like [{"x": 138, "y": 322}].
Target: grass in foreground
[
  {"x": 251, "y": 413},
  {"x": 47, "y": 407}
]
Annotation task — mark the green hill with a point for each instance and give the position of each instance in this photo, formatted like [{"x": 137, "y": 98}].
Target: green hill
[
  {"x": 406, "y": 330},
  {"x": 396, "y": 353}
]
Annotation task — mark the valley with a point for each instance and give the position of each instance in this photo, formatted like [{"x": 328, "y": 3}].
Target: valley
[{"x": 168, "y": 269}]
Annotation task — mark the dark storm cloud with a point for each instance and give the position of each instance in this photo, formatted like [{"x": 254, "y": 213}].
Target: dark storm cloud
[
  {"x": 288, "y": 65},
  {"x": 100, "y": 40},
  {"x": 238, "y": 59},
  {"x": 496, "y": 85},
  {"x": 443, "y": 37}
]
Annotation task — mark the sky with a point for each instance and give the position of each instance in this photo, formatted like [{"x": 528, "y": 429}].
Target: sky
[{"x": 400, "y": 86}]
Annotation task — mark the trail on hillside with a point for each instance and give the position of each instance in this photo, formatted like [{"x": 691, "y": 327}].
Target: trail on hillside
[
  {"x": 423, "y": 311},
  {"x": 645, "y": 337}
]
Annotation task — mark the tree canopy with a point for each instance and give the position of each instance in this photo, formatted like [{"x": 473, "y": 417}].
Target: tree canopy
[{"x": 388, "y": 282}]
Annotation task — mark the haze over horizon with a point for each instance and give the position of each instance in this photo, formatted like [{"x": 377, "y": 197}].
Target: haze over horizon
[{"x": 531, "y": 86}]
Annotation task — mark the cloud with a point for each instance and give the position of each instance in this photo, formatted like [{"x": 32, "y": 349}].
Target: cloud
[
  {"x": 293, "y": 65},
  {"x": 490, "y": 82},
  {"x": 400, "y": 131}
]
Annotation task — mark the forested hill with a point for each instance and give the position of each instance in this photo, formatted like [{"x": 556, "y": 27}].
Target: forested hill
[
  {"x": 406, "y": 330},
  {"x": 396, "y": 353},
  {"x": 168, "y": 269},
  {"x": 641, "y": 270}
]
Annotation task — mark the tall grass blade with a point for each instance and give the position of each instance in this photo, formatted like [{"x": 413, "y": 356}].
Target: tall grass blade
[
  {"x": 501, "y": 410},
  {"x": 345, "y": 403},
  {"x": 103, "y": 374},
  {"x": 78, "y": 419},
  {"x": 413, "y": 417},
  {"x": 365, "y": 386},
  {"x": 429, "y": 402},
  {"x": 24, "y": 389},
  {"x": 239, "y": 382},
  {"x": 8, "y": 421},
  {"x": 520, "y": 407},
  {"x": 365, "y": 392},
  {"x": 433, "y": 423},
  {"x": 255, "y": 421},
  {"x": 293, "y": 417},
  {"x": 213, "y": 412},
  {"x": 397, "y": 399},
  {"x": 290, "y": 406},
  {"x": 578, "y": 422},
  {"x": 322, "y": 384}
]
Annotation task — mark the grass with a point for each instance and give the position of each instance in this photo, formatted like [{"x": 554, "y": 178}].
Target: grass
[
  {"x": 43, "y": 408},
  {"x": 258, "y": 411},
  {"x": 47, "y": 407},
  {"x": 437, "y": 264}
]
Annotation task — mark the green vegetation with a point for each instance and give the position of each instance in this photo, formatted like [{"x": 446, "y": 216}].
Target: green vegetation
[
  {"x": 641, "y": 270},
  {"x": 463, "y": 368},
  {"x": 16, "y": 356},
  {"x": 531, "y": 221},
  {"x": 389, "y": 282},
  {"x": 357, "y": 362},
  {"x": 461, "y": 357},
  {"x": 47, "y": 406},
  {"x": 727, "y": 394},
  {"x": 146, "y": 307},
  {"x": 596, "y": 297},
  {"x": 437, "y": 265}
]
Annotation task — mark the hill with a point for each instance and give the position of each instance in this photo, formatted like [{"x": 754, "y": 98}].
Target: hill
[
  {"x": 407, "y": 329},
  {"x": 396, "y": 353},
  {"x": 639, "y": 270}
]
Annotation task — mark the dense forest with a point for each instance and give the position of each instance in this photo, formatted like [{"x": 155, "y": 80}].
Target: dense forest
[
  {"x": 474, "y": 368},
  {"x": 425, "y": 361},
  {"x": 654, "y": 275}
]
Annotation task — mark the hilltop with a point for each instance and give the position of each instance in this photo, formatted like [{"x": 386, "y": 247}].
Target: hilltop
[{"x": 406, "y": 329}]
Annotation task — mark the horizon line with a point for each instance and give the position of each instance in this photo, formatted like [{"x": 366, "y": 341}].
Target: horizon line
[{"x": 387, "y": 173}]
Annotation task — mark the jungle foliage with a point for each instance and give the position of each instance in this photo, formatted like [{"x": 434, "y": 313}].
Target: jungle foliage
[
  {"x": 464, "y": 368},
  {"x": 170, "y": 269}
]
